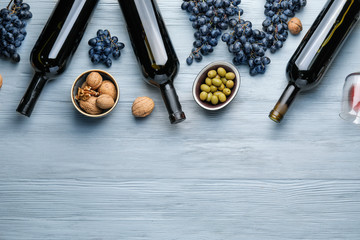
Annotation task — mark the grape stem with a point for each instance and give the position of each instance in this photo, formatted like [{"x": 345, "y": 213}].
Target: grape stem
[
  {"x": 102, "y": 39},
  {"x": 9, "y": 4}
]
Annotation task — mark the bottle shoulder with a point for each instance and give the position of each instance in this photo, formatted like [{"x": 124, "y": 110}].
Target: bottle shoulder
[{"x": 304, "y": 79}]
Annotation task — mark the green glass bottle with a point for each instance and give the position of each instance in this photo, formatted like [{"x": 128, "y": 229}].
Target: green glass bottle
[
  {"x": 55, "y": 46},
  {"x": 154, "y": 50}
]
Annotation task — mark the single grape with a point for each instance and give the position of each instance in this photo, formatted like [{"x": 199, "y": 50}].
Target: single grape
[
  {"x": 95, "y": 58},
  {"x": 108, "y": 62},
  {"x": 91, "y": 52},
  {"x": 25, "y": 6},
  {"x": 120, "y": 45},
  {"x": 15, "y": 57},
  {"x": 116, "y": 53},
  {"x": 92, "y": 42},
  {"x": 18, "y": 2}
]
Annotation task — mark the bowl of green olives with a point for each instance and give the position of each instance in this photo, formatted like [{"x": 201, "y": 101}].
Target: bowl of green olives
[{"x": 216, "y": 85}]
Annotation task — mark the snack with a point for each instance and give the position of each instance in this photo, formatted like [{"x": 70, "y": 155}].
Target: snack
[
  {"x": 105, "y": 101},
  {"x": 217, "y": 86},
  {"x": 107, "y": 87},
  {"x": 96, "y": 95},
  {"x": 142, "y": 106},
  {"x": 94, "y": 80},
  {"x": 295, "y": 26},
  {"x": 89, "y": 106},
  {"x": 85, "y": 93}
]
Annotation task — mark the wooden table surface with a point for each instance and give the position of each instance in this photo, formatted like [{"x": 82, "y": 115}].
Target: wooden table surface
[{"x": 226, "y": 175}]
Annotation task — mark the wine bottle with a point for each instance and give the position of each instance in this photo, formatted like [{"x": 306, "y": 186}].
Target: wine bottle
[
  {"x": 317, "y": 51},
  {"x": 154, "y": 51},
  {"x": 55, "y": 46}
]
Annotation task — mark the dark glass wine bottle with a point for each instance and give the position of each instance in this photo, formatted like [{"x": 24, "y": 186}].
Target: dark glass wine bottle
[
  {"x": 55, "y": 46},
  {"x": 317, "y": 51},
  {"x": 154, "y": 50}
]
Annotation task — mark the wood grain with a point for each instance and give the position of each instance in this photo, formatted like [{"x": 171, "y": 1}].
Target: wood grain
[
  {"x": 231, "y": 174},
  {"x": 185, "y": 209}
]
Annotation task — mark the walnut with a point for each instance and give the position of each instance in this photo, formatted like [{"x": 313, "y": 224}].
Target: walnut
[
  {"x": 295, "y": 26},
  {"x": 89, "y": 106},
  {"x": 85, "y": 93},
  {"x": 142, "y": 106},
  {"x": 107, "y": 87},
  {"x": 105, "y": 101},
  {"x": 94, "y": 80}
]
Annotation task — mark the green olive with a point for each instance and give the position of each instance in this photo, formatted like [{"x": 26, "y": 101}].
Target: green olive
[
  {"x": 216, "y": 82},
  {"x": 224, "y": 80},
  {"x": 213, "y": 88},
  {"x": 205, "y": 88},
  {"x": 217, "y": 76},
  {"x": 222, "y": 97},
  {"x": 208, "y": 81},
  {"x": 230, "y": 76},
  {"x": 211, "y": 73},
  {"x": 203, "y": 96},
  {"x": 221, "y": 71},
  {"x": 227, "y": 91},
  {"x": 217, "y": 93},
  {"x": 209, "y": 96},
  {"x": 222, "y": 86},
  {"x": 214, "y": 100},
  {"x": 230, "y": 84}
]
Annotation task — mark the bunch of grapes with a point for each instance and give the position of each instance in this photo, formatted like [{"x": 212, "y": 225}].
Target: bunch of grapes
[
  {"x": 12, "y": 28},
  {"x": 103, "y": 47},
  {"x": 209, "y": 18},
  {"x": 248, "y": 46},
  {"x": 277, "y": 14}
]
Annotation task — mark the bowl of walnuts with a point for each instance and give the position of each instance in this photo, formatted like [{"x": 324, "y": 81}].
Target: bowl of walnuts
[{"x": 95, "y": 93}]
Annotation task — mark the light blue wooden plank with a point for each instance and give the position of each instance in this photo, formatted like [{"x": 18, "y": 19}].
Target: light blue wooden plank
[{"x": 186, "y": 209}]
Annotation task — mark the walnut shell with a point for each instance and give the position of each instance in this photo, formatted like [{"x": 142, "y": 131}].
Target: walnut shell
[
  {"x": 94, "y": 80},
  {"x": 84, "y": 84},
  {"x": 1, "y": 81},
  {"x": 107, "y": 87},
  {"x": 295, "y": 26},
  {"x": 142, "y": 106},
  {"x": 105, "y": 101},
  {"x": 89, "y": 106}
]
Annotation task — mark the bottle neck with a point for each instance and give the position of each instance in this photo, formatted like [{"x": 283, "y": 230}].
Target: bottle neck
[
  {"x": 32, "y": 94},
  {"x": 284, "y": 103},
  {"x": 172, "y": 103}
]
